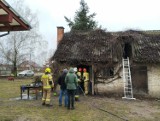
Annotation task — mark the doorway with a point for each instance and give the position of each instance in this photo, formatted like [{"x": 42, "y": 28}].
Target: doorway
[
  {"x": 89, "y": 70},
  {"x": 139, "y": 78}
]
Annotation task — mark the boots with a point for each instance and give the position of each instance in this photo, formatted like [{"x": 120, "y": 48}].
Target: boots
[
  {"x": 43, "y": 103},
  {"x": 49, "y": 105},
  {"x": 72, "y": 108}
]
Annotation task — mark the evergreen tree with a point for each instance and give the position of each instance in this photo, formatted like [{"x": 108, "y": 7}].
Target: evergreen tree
[{"x": 82, "y": 21}]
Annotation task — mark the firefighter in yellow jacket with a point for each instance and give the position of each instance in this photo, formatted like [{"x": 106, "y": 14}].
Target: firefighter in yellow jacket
[
  {"x": 86, "y": 80},
  {"x": 47, "y": 84},
  {"x": 79, "y": 78}
]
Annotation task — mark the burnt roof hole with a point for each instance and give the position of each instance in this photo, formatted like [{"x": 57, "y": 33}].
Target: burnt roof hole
[{"x": 127, "y": 50}]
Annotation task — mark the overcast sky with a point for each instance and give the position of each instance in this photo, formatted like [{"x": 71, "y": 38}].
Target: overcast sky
[{"x": 114, "y": 15}]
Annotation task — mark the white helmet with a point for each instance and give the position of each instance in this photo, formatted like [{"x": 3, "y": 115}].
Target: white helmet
[{"x": 75, "y": 69}]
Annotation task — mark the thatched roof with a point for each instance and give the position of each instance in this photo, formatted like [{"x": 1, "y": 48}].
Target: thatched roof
[
  {"x": 145, "y": 47},
  {"x": 102, "y": 47}
]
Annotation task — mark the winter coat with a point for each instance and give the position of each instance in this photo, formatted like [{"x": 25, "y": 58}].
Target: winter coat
[
  {"x": 61, "y": 81},
  {"x": 71, "y": 80}
]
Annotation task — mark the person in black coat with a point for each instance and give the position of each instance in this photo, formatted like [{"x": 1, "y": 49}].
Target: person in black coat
[{"x": 63, "y": 90}]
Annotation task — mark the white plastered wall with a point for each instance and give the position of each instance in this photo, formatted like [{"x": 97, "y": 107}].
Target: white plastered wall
[{"x": 154, "y": 80}]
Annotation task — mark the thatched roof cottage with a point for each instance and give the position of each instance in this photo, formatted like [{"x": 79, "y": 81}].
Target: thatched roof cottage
[{"x": 102, "y": 52}]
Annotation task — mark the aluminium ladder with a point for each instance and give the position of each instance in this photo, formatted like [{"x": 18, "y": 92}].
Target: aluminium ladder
[{"x": 128, "y": 91}]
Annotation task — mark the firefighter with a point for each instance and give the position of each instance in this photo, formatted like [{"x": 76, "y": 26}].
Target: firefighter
[
  {"x": 79, "y": 74},
  {"x": 75, "y": 70},
  {"x": 79, "y": 77},
  {"x": 86, "y": 80},
  {"x": 47, "y": 85},
  {"x": 80, "y": 80}
]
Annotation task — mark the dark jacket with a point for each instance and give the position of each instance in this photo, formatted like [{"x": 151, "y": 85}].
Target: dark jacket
[
  {"x": 61, "y": 81},
  {"x": 71, "y": 80}
]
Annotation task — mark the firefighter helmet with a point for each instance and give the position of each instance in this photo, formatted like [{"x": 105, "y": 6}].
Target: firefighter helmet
[
  {"x": 48, "y": 70},
  {"x": 75, "y": 69},
  {"x": 80, "y": 69}
]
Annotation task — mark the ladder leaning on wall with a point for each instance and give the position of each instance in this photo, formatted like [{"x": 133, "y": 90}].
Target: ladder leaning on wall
[{"x": 128, "y": 91}]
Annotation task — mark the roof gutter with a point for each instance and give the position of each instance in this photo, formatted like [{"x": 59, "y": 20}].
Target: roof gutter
[{"x": 4, "y": 34}]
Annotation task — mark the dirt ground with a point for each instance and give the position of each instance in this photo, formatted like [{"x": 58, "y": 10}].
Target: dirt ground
[
  {"x": 124, "y": 109},
  {"x": 89, "y": 108}
]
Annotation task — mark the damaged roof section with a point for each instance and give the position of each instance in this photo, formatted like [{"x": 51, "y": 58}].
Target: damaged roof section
[
  {"x": 10, "y": 20},
  {"x": 103, "y": 47},
  {"x": 84, "y": 47},
  {"x": 145, "y": 45}
]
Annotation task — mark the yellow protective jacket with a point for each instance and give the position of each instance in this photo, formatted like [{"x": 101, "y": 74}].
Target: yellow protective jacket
[
  {"x": 86, "y": 76},
  {"x": 46, "y": 79},
  {"x": 79, "y": 76}
]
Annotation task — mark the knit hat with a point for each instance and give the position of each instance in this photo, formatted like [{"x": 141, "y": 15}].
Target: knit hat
[{"x": 65, "y": 70}]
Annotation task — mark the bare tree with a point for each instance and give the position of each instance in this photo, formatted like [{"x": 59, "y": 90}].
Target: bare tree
[{"x": 19, "y": 46}]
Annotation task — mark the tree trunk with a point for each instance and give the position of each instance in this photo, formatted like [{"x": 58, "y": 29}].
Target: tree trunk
[{"x": 15, "y": 69}]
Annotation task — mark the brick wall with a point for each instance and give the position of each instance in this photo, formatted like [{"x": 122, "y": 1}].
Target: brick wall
[{"x": 60, "y": 33}]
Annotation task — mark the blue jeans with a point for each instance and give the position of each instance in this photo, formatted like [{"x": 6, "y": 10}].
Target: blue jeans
[{"x": 63, "y": 92}]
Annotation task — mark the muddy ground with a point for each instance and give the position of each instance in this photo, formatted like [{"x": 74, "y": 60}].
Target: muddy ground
[{"x": 88, "y": 108}]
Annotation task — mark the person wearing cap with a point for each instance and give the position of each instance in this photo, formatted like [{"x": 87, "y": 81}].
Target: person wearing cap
[
  {"x": 63, "y": 90},
  {"x": 47, "y": 84},
  {"x": 75, "y": 69},
  {"x": 86, "y": 80},
  {"x": 71, "y": 82}
]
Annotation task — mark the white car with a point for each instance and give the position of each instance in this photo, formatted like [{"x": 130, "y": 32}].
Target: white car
[{"x": 26, "y": 73}]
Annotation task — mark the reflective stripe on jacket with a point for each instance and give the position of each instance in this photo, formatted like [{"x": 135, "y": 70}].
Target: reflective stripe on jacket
[{"x": 45, "y": 80}]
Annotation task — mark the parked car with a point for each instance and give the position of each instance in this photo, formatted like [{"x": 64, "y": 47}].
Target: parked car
[{"x": 26, "y": 73}]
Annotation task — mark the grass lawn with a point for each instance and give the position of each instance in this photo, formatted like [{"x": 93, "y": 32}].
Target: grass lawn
[{"x": 89, "y": 108}]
